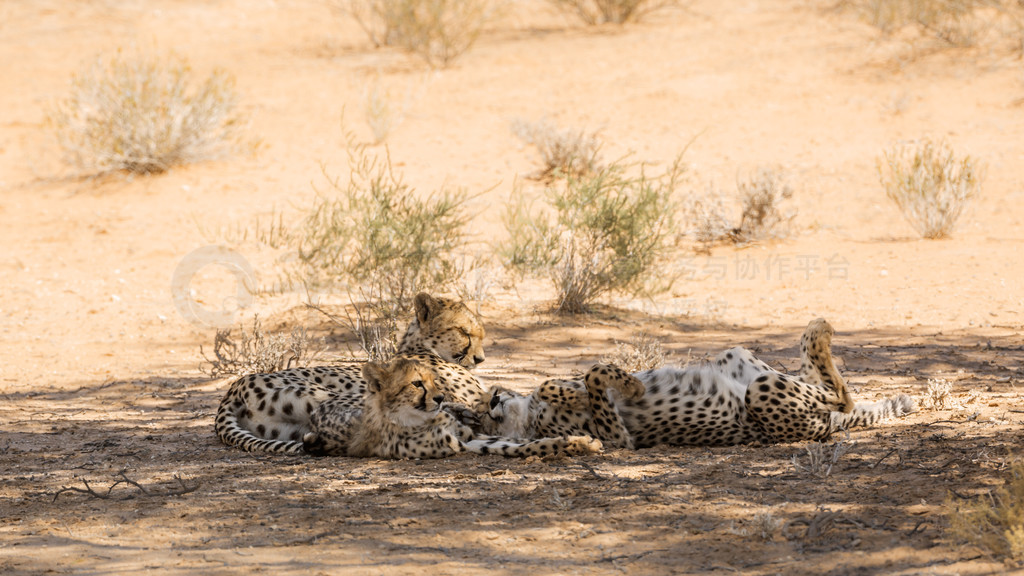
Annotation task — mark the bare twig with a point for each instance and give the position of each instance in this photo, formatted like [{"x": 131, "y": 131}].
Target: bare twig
[
  {"x": 879, "y": 461},
  {"x": 88, "y": 490},
  {"x": 945, "y": 422},
  {"x": 183, "y": 488},
  {"x": 593, "y": 472}
]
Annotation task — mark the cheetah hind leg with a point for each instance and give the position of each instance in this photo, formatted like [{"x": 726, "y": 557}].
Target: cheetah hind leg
[
  {"x": 565, "y": 395},
  {"x": 333, "y": 426},
  {"x": 817, "y": 367},
  {"x": 606, "y": 422}
]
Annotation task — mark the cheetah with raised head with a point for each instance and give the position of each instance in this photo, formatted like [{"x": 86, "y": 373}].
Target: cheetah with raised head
[
  {"x": 565, "y": 408},
  {"x": 402, "y": 417},
  {"x": 271, "y": 412}
]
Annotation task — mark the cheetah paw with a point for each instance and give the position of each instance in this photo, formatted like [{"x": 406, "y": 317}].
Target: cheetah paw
[
  {"x": 632, "y": 388},
  {"x": 580, "y": 445}
]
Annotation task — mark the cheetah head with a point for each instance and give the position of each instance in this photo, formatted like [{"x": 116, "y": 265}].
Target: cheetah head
[
  {"x": 504, "y": 413},
  {"x": 403, "y": 390},
  {"x": 447, "y": 328}
]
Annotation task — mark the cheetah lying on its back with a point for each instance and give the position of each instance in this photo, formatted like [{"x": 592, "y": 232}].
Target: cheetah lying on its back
[
  {"x": 736, "y": 399},
  {"x": 402, "y": 418},
  {"x": 271, "y": 412}
]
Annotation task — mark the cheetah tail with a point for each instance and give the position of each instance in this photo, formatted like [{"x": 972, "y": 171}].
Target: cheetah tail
[
  {"x": 234, "y": 434},
  {"x": 871, "y": 413}
]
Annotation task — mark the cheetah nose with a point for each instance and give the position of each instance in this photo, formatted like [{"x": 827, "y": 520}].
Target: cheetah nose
[
  {"x": 495, "y": 401},
  {"x": 439, "y": 398},
  {"x": 478, "y": 359}
]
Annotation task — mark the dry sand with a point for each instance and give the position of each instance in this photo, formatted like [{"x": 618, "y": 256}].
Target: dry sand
[{"x": 99, "y": 378}]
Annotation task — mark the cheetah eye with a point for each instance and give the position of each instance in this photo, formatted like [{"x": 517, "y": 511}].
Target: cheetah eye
[{"x": 418, "y": 383}]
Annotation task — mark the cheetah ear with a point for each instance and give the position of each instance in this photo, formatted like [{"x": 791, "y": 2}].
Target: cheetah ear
[
  {"x": 374, "y": 374},
  {"x": 426, "y": 306}
]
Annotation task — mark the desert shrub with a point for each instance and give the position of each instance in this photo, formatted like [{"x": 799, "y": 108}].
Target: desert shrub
[
  {"x": 436, "y": 30},
  {"x": 764, "y": 525},
  {"x": 930, "y": 184},
  {"x": 763, "y": 215},
  {"x": 385, "y": 109},
  {"x": 564, "y": 153},
  {"x": 606, "y": 235},
  {"x": 476, "y": 277},
  {"x": 373, "y": 320},
  {"x": 705, "y": 220},
  {"x": 958, "y": 24},
  {"x": 259, "y": 352},
  {"x": 381, "y": 116},
  {"x": 145, "y": 116},
  {"x": 641, "y": 352},
  {"x": 593, "y": 12},
  {"x": 374, "y": 235},
  {"x": 952, "y": 22},
  {"x": 994, "y": 522}
]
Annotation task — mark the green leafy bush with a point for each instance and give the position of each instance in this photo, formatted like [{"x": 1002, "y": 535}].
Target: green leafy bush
[
  {"x": 376, "y": 236},
  {"x": 602, "y": 233}
]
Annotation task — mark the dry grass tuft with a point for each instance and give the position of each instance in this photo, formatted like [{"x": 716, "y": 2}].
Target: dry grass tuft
[
  {"x": 259, "y": 352},
  {"x": 980, "y": 28},
  {"x": 436, "y": 30},
  {"x": 594, "y": 12},
  {"x": 564, "y": 153},
  {"x": 765, "y": 525},
  {"x": 374, "y": 322},
  {"x": 930, "y": 183},
  {"x": 380, "y": 112},
  {"x": 939, "y": 396},
  {"x": 639, "y": 353},
  {"x": 950, "y": 21},
  {"x": 994, "y": 522},
  {"x": 145, "y": 116},
  {"x": 763, "y": 216},
  {"x": 821, "y": 457}
]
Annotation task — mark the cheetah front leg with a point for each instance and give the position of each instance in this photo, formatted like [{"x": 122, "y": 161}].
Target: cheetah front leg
[{"x": 573, "y": 446}]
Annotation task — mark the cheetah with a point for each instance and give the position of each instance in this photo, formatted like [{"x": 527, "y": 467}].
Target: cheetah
[
  {"x": 402, "y": 417},
  {"x": 735, "y": 399},
  {"x": 738, "y": 399},
  {"x": 565, "y": 408},
  {"x": 271, "y": 412}
]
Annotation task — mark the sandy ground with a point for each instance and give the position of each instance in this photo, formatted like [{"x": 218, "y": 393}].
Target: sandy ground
[{"x": 99, "y": 377}]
